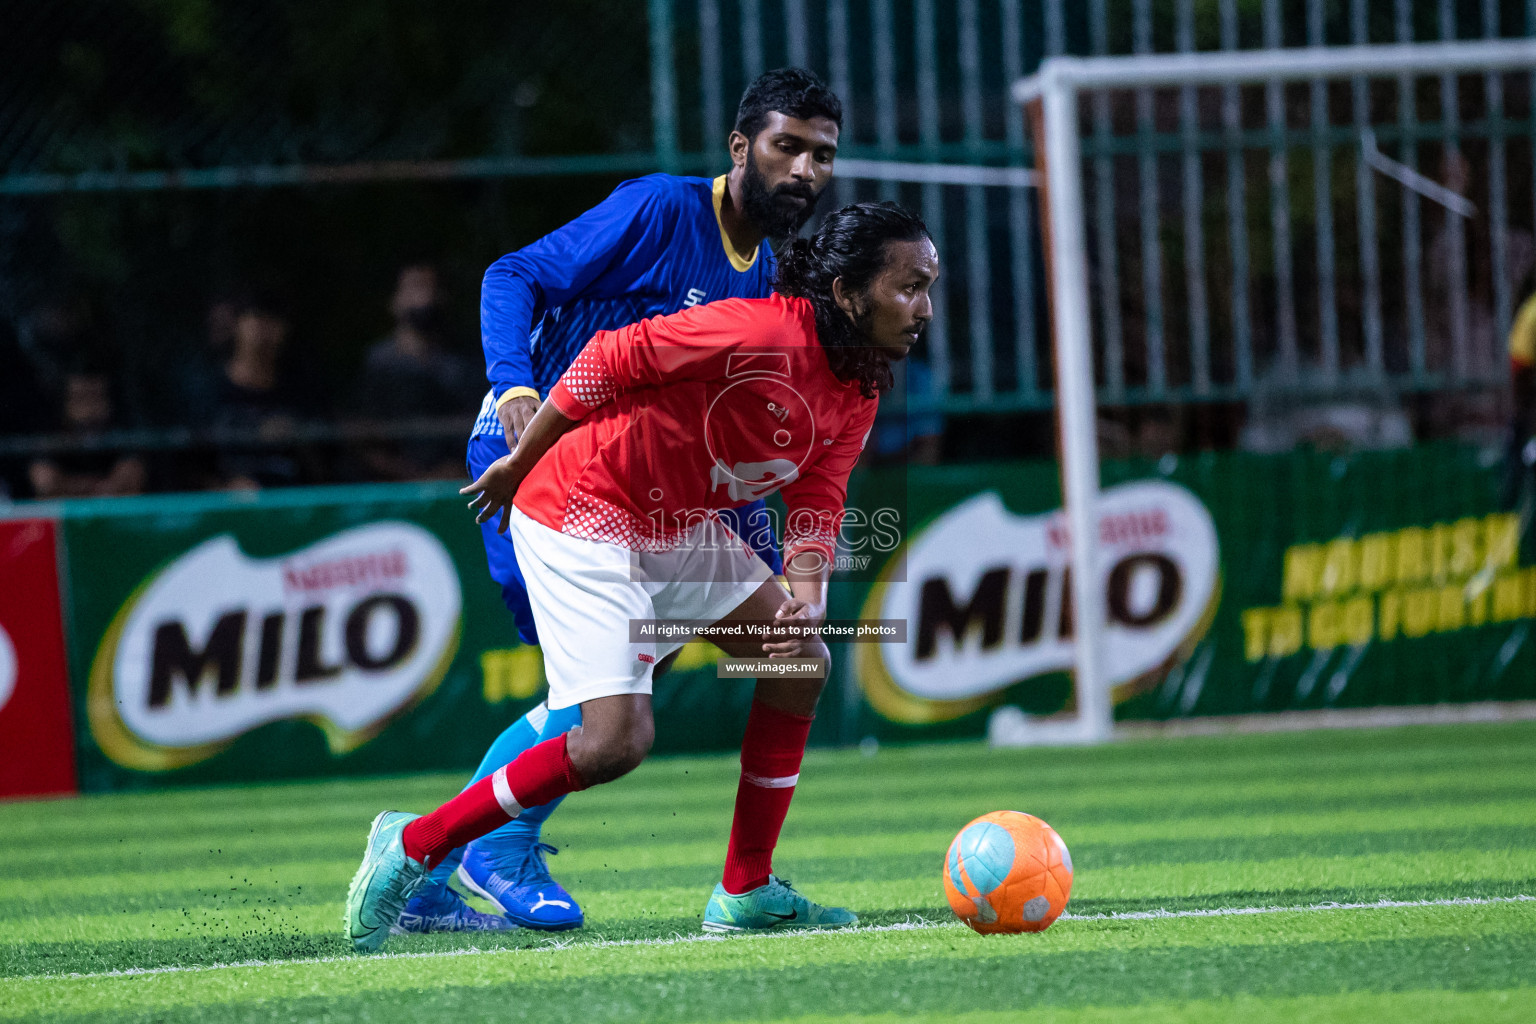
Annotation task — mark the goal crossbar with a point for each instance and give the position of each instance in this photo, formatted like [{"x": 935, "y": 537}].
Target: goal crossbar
[{"x": 1236, "y": 67}]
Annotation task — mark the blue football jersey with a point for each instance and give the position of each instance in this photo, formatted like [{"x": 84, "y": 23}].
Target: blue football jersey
[{"x": 654, "y": 246}]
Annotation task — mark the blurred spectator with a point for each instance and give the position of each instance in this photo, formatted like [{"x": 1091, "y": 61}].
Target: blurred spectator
[
  {"x": 20, "y": 409},
  {"x": 414, "y": 374},
  {"x": 1280, "y": 421},
  {"x": 54, "y": 337},
  {"x": 257, "y": 398},
  {"x": 912, "y": 431},
  {"x": 199, "y": 372},
  {"x": 1520, "y": 453},
  {"x": 87, "y": 410}
]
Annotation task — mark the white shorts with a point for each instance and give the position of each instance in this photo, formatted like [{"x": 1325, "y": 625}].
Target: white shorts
[{"x": 585, "y": 593}]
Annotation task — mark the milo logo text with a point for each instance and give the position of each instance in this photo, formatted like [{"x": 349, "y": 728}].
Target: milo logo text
[
  {"x": 176, "y": 658},
  {"x": 990, "y": 599},
  {"x": 345, "y": 633}
]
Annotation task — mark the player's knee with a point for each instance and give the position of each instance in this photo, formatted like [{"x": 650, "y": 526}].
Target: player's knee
[
  {"x": 619, "y": 753},
  {"x": 635, "y": 746}
]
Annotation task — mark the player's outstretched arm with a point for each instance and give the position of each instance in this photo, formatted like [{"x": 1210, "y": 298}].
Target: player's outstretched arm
[
  {"x": 599, "y": 254},
  {"x": 497, "y": 486},
  {"x": 815, "y": 502}
]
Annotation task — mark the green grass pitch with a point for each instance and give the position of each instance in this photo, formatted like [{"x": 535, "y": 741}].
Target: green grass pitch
[{"x": 225, "y": 904}]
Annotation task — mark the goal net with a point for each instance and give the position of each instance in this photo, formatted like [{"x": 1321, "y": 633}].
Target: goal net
[{"x": 1326, "y": 247}]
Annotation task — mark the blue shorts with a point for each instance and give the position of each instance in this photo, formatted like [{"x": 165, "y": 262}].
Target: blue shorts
[{"x": 749, "y": 522}]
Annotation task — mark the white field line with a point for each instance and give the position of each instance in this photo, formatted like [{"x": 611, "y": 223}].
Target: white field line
[
  {"x": 1159, "y": 915},
  {"x": 917, "y": 924},
  {"x": 1332, "y": 718}
]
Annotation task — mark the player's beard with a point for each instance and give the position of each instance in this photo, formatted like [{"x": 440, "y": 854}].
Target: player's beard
[
  {"x": 770, "y": 209},
  {"x": 854, "y": 356},
  {"x": 864, "y": 328}
]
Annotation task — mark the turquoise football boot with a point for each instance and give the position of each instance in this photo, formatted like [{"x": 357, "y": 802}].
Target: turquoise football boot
[
  {"x": 775, "y": 906},
  {"x": 385, "y": 880}
]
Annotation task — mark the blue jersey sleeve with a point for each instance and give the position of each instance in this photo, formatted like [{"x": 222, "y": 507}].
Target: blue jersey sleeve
[{"x": 600, "y": 254}]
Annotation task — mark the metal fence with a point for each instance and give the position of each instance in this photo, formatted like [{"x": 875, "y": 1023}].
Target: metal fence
[
  {"x": 1179, "y": 222},
  {"x": 1285, "y": 297}
]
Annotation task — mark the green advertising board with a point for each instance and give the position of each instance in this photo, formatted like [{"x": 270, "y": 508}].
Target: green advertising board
[
  {"x": 300, "y": 633},
  {"x": 1235, "y": 584},
  {"x": 355, "y": 630}
]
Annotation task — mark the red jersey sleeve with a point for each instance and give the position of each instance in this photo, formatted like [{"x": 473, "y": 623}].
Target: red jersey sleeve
[
  {"x": 693, "y": 344},
  {"x": 815, "y": 500}
]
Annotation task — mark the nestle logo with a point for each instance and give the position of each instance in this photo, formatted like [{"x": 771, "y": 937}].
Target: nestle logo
[
  {"x": 647, "y": 659},
  {"x": 352, "y": 571}
]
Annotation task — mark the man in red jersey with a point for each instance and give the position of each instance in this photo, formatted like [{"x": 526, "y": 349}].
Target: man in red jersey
[{"x": 610, "y": 497}]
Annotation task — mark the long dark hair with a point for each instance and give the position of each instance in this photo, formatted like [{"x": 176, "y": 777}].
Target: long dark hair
[{"x": 851, "y": 244}]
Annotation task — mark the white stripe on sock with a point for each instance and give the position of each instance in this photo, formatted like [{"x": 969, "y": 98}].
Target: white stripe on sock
[
  {"x": 503, "y": 793},
  {"x": 538, "y": 716},
  {"x": 782, "y": 782}
]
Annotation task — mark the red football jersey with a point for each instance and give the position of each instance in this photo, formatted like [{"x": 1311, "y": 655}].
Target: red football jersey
[{"x": 709, "y": 408}]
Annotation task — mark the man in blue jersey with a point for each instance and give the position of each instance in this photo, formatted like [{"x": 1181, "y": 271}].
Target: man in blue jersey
[{"x": 656, "y": 245}]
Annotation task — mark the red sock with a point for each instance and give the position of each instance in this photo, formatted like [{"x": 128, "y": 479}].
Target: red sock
[
  {"x": 770, "y": 766},
  {"x": 538, "y": 775}
]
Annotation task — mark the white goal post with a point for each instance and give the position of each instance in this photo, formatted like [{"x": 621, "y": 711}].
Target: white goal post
[{"x": 1057, "y": 89}]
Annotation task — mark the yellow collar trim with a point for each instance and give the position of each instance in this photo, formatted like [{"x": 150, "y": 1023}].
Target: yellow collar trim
[{"x": 725, "y": 239}]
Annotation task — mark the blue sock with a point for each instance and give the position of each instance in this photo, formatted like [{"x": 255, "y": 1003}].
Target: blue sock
[
  {"x": 536, "y": 726},
  {"x": 514, "y": 739}
]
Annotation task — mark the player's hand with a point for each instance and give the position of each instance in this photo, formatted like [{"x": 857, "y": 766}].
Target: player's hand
[
  {"x": 514, "y": 415},
  {"x": 802, "y": 614},
  {"x": 495, "y": 489}
]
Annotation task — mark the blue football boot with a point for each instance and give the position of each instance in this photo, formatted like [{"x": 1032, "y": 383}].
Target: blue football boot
[
  {"x": 520, "y": 887},
  {"x": 437, "y": 908}
]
